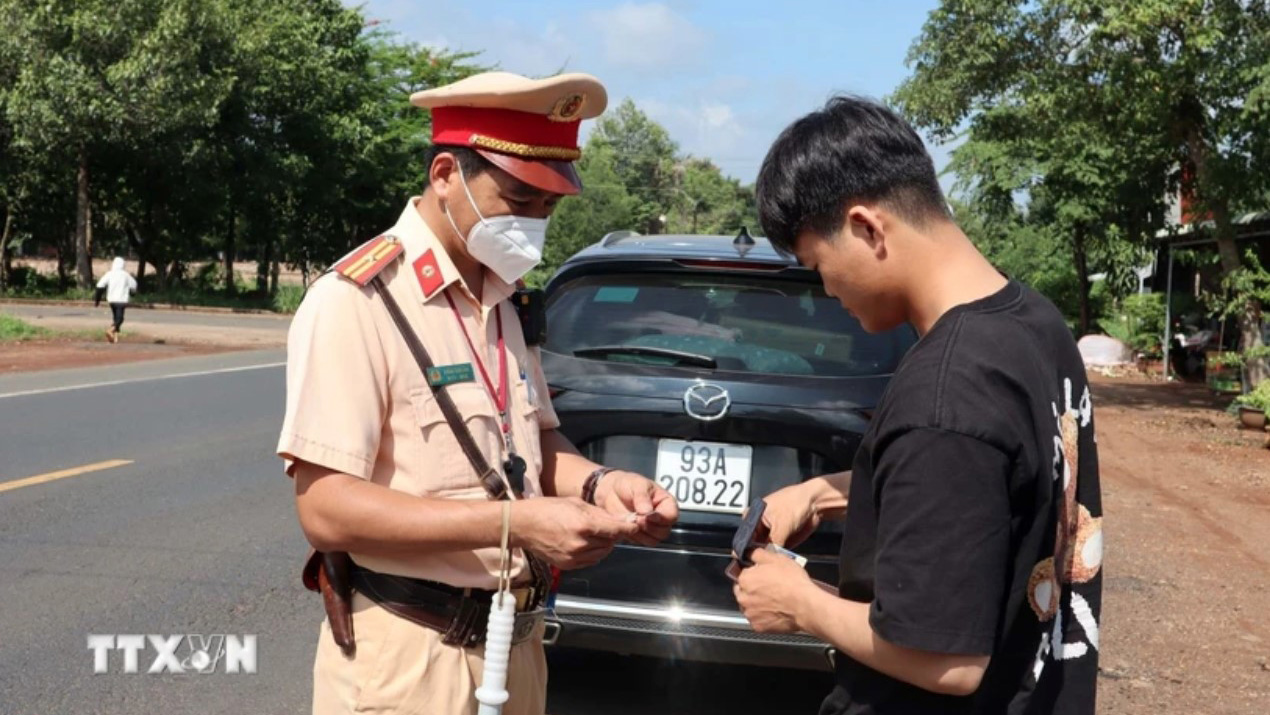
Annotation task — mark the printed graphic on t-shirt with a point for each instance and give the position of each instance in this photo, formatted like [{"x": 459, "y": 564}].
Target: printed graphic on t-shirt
[{"x": 1077, "y": 548}]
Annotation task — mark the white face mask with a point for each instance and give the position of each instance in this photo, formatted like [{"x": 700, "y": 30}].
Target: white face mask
[{"x": 508, "y": 245}]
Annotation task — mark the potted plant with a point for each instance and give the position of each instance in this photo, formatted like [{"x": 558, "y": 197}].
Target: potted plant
[
  {"x": 1252, "y": 406},
  {"x": 1222, "y": 371}
]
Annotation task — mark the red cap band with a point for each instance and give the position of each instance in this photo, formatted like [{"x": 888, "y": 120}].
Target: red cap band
[{"x": 458, "y": 126}]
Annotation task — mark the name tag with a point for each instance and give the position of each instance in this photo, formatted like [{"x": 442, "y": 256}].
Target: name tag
[{"x": 447, "y": 374}]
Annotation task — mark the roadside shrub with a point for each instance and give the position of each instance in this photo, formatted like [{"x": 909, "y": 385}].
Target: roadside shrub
[
  {"x": 209, "y": 278},
  {"x": 287, "y": 299},
  {"x": 1139, "y": 323},
  {"x": 25, "y": 280}
]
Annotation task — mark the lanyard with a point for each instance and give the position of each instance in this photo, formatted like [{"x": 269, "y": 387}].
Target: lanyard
[{"x": 500, "y": 393}]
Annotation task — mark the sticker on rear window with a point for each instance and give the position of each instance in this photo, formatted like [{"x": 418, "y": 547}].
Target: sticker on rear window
[{"x": 616, "y": 294}]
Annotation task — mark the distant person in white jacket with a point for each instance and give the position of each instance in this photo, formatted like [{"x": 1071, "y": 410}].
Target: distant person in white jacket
[{"x": 117, "y": 284}]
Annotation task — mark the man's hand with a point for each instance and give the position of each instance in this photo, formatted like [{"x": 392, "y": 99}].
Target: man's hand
[
  {"x": 567, "y": 532},
  {"x": 625, "y": 493},
  {"x": 792, "y": 514},
  {"x": 773, "y": 592}
]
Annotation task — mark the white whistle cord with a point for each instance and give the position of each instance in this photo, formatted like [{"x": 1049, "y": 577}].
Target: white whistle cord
[{"x": 498, "y": 640}]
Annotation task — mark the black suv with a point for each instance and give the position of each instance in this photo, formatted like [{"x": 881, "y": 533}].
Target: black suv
[{"x": 720, "y": 367}]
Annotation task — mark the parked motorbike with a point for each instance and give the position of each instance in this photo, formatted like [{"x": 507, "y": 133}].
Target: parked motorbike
[{"x": 1190, "y": 347}]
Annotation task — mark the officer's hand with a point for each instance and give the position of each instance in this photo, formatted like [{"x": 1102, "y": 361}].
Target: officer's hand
[
  {"x": 790, "y": 516},
  {"x": 567, "y": 532},
  {"x": 625, "y": 493}
]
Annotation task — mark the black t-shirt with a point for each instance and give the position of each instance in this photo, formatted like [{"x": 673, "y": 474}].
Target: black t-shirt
[{"x": 975, "y": 519}]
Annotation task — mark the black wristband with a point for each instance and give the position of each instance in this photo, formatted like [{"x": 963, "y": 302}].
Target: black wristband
[{"x": 592, "y": 482}]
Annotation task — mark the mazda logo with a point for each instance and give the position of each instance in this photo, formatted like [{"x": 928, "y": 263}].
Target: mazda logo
[{"x": 706, "y": 402}]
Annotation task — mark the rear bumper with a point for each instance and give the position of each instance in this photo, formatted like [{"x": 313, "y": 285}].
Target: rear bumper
[{"x": 669, "y": 632}]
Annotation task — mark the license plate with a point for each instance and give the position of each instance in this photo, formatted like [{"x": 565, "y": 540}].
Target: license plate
[{"x": 706, "y": 476}]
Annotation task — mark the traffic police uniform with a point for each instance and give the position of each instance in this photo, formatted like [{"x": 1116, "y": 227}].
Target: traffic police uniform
[{"x": 358, "y": 403}]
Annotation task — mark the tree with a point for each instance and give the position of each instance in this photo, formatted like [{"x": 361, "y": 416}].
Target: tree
[
  {"x": 1026, "y": 250},
  {"x": 643, "y": 159},
  {"x": 8, "y": 159},
  {"x": 343, "y": 147},
  {"x": 212, "y": 130},
  {"x": 1157, "y": 86},
  {"x": 605, "y": 205},
  {"x": 100, "y": 74},
  {"x": 633, "y": 179},
  {"x": 1045, "y": 130},
  {"x": 708, "y": 202},
  {"x": 194, "y": 128}
]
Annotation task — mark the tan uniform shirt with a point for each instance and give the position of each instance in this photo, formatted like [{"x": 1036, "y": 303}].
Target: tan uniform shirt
[{"x": 358, "y": 403}]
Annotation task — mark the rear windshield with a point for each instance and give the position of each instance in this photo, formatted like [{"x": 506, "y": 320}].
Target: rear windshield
[{"x": 739, "y": 323}]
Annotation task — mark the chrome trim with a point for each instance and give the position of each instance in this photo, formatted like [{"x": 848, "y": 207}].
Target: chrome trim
[
  {"x": 550, "y": 633},
  {"x": 686, "y": 550},
  {"x": 566, "y": 606},
  {"x": 697, "y": 392}
]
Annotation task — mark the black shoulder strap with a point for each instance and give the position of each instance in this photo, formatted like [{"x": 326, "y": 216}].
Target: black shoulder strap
[{"x": 490, "y": 479}]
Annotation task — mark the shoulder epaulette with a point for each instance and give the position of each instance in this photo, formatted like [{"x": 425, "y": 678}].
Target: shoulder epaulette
[{"x": 369, "y": 259}]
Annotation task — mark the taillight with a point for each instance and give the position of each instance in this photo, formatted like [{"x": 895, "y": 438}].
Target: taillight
[{"x": 553, "y": 391}]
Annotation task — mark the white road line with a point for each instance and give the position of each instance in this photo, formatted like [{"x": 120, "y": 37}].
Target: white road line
[{"x": 85, "y": 386}]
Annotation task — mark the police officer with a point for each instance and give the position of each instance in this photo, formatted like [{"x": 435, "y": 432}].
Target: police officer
[{"x": 387, "y": 441}]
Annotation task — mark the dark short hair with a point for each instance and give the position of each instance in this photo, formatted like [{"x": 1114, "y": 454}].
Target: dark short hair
[
  {"x": 854, "y": 149},
  {"x": 469, "y": 159}
]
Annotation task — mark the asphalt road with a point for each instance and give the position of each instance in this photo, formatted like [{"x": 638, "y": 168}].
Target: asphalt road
[{"x": 185, "y": 525}]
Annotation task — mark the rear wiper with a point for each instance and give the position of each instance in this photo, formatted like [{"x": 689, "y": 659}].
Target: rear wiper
[{"x": 604, "y": 351}]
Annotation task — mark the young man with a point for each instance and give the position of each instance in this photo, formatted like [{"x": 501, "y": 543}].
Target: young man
[
  {"x": 970, "y": 564},
  {"x": 383, "y": 477}
]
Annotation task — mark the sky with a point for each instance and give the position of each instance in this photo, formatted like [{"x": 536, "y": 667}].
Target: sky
[{"x": 723, "y": 77}]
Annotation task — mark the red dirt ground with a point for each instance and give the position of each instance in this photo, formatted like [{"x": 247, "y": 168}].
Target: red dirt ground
[{"x": 1186, "y": 499}]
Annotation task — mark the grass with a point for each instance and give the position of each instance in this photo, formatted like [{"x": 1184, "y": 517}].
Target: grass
[{"x": 14, "y": 330}]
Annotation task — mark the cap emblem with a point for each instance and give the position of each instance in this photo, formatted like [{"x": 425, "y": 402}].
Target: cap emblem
[{"x": 568, "y": 108}]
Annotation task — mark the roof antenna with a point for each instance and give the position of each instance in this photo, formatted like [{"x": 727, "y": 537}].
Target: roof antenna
[{"x": 743, "y": 242}]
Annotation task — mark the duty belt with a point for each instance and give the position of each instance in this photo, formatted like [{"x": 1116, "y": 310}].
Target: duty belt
[{"x": 460, "y": 614}]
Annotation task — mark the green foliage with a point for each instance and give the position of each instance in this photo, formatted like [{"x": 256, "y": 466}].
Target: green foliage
[
  {"x": 1258, "y": 399},
  {"x": 1251, "y": 281},
  {"x": 1227, "y": 359},
  {"x": 215, "y": 131},
  {"x": 1139, "y": 324},
  {"x": 1029, "y": 252},
  {"x": 643, "y": 160},
  {"x": 708, "y": 202},
  {"x": 604, "y": 205},
  {"x": 632, "y": 176},
  {"x": 1232, "y": 358},
  {"x": 287, "y": 299},
  {"x": 12, "y": 330},
  {"x": 24, "y": 279},
  {"x": 1081, "y": 116},
  {"x": 267, "y": 129}
]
